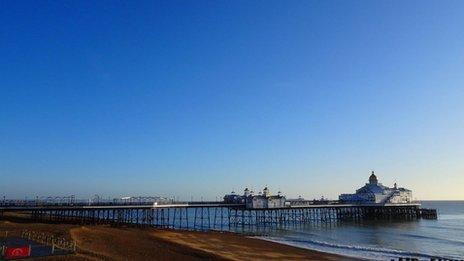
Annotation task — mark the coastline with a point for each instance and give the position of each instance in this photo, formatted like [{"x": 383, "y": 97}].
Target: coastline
[
  {"x": 282, "y": 242},
  {"x": 121, "y": 243},
  {"x": 234, "y": 246}
]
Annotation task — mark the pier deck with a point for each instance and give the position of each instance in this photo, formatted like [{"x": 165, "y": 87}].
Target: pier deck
[{"x": 217, "y": 215}]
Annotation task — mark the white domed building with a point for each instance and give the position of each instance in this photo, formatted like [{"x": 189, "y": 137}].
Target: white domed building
[
  {"x": 376, "y": 193},
  {"x": 264, "y": 200}
]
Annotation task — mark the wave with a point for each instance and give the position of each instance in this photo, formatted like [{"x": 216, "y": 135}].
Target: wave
[{"x": 362, "y": 251}]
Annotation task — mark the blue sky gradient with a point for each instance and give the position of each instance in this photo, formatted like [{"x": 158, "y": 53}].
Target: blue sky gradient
[{"x": 196, "y": 98}]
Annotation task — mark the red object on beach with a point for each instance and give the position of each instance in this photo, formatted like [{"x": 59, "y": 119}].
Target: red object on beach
[{"x": 16, "y": 252}]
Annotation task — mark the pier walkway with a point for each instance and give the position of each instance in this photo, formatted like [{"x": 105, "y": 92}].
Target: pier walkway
[{"x": 214, "y": 215}]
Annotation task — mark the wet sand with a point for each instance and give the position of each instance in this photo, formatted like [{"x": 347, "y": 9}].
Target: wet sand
[{"x": 126, "y": 243}]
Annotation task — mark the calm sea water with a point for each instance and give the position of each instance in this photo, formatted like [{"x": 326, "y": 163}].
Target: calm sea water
[{"x": 421, "y": 239}]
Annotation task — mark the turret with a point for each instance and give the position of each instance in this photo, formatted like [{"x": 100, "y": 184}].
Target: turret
[
  {"x": 373, "y": 179},
  {"x": 246, "y": 193},
  {"x": 266, "y": 192}
]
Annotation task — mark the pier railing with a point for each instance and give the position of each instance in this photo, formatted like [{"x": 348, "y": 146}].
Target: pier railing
[{"x": 51, "y": 240}]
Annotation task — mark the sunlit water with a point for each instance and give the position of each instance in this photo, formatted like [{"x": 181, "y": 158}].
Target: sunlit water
[{"x": 423, "y": 239}]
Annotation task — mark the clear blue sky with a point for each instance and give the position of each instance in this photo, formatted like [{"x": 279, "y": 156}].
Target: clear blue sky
[{"x": 196, "y": 98}]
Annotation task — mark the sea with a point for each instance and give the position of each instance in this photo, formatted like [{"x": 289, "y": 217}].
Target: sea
[{"x": 422, "y": 239}]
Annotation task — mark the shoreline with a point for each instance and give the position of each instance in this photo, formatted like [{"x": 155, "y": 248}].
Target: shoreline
[
  {"x": 121, "y": 243},
  {"x": 306, "y": 248},
  {"x": 256, "y": 244}
]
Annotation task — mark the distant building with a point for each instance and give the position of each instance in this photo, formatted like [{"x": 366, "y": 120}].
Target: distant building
[
  {"x": 233, "y": 198},
  {"x": 376, "y": 193},
  {"x": 262, "y": 200},
  {"x": 301, "y": 202}
]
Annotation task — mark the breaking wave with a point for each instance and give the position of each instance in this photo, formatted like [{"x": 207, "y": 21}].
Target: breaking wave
[{"x": 355, "y": 251}]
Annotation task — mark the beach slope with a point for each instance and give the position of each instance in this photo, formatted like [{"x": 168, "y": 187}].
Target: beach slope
[{"x": 126, "y": 243}]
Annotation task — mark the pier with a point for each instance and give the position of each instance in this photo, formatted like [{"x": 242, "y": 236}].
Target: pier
[
  {"x": 373, "y": 201},
  {"x": 217, "y": 215}
]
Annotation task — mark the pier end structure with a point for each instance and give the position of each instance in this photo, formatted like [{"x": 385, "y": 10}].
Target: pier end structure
[{"x": 374, "y": 192}]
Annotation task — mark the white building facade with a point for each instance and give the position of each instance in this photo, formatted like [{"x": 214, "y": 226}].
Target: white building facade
[
  {"x": 264, "y": 200},
  {"x": 376, "y": 193}
]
